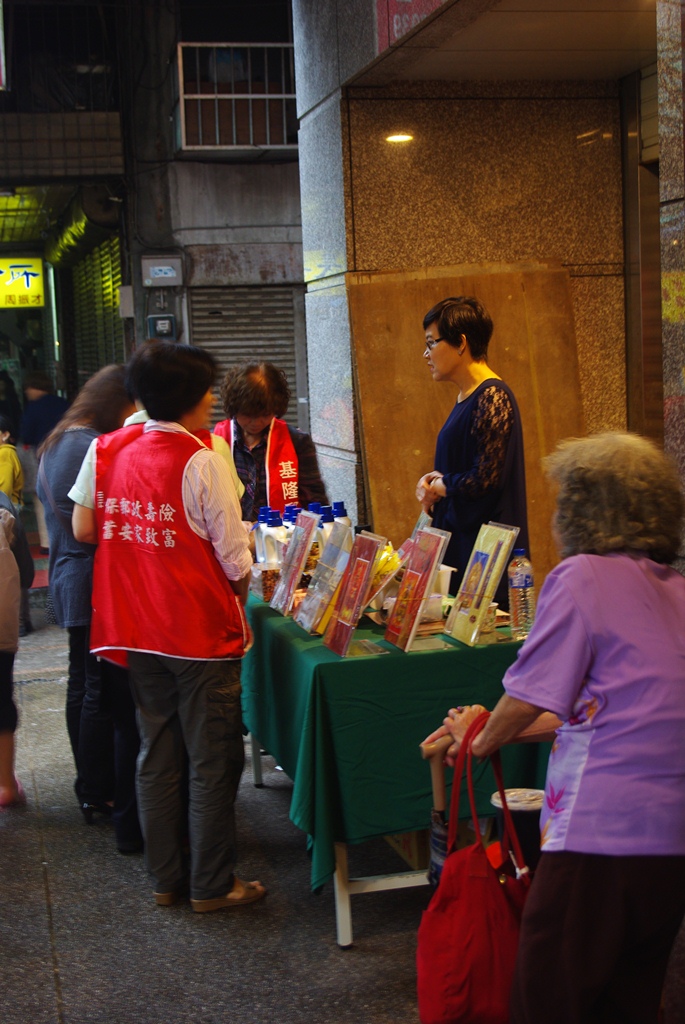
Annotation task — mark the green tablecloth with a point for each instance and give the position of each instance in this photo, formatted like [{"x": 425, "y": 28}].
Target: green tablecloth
[{"x": 347, "y": 730}]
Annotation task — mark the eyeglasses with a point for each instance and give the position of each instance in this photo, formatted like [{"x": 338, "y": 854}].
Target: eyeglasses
[{"x": 432, "y": 343}]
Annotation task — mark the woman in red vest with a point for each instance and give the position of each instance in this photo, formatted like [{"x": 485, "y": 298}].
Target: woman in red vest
[
  {"x": 170, "y": 579},
  {"x": 276, "y": 463}
]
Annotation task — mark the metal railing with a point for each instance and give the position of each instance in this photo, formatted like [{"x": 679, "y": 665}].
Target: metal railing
[{"x": 236, "y": 96}]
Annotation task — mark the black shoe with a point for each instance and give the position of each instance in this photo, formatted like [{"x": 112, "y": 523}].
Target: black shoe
[
  {"x": 130, "y": 846},
  {"x": 25, "y": 628},
  {"x": 89, "y": 810}
]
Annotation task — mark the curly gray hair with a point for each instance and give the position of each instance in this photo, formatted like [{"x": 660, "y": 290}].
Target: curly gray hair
[{"x": 617, "y": 492}]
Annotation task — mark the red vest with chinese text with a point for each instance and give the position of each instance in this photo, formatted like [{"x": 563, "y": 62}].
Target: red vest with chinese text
[
  {"x": 157, "y": 586},
  {"x": 281, "y": 462}
]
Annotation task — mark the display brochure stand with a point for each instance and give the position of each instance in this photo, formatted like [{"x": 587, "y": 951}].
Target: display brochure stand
[
  {"x": 424, "y": 558},
  {"x": 387, "y": 566},
  {"x": 421, "y": 523},
  {"x": 488, "y": 561},
  {"x": 353, "y": 596},
  {"x": 294, "y": 561},
  {"x": 320, "y": 596}
]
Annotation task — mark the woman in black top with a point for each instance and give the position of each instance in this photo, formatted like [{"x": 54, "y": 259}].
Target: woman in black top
[{"x": 479, "y": 473}]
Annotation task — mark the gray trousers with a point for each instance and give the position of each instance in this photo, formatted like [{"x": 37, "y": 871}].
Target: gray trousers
[{"x": 188, "y": 714}]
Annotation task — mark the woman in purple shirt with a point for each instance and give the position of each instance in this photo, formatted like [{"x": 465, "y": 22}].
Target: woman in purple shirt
[{"x": 602, "y": 674}]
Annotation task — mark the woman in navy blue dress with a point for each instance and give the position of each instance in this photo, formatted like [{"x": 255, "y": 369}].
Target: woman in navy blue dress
[{"x": 479, "y": 473}]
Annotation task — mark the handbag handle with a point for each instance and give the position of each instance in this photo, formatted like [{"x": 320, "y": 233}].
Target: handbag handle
[{"x": 509, "y": 837}]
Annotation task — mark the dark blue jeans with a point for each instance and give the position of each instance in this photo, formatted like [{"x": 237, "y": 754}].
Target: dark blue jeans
[
  {"x": 89, "y": 723},
  {"x": 118, "y": 701}
]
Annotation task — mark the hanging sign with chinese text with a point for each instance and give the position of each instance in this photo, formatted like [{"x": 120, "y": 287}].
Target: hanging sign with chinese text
[
  {"x": 21, "y": 283},
  {"x": 394, "y": 18}
]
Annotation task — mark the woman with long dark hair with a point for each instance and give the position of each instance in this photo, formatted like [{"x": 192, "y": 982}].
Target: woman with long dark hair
[{"x": 97, "y": 692}]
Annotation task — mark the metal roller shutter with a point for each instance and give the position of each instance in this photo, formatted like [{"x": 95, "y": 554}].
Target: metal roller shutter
[
  {"x": 240, "y": 325},
  {"x": 98, "y": 327}
]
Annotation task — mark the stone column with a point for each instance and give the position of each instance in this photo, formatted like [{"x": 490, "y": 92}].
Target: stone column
[
  {"x": 670, "y": 36},
  {"x": 332, "y": 41}
]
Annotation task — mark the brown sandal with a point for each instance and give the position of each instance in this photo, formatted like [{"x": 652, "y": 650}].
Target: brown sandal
[{"x": 241, "y": 894}]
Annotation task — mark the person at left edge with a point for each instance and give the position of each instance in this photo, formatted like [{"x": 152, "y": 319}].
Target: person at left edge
[
  {"x": 11, "y": 473},
  {"x": 16, "y": 573},
  {"x": 12, "y": 484},
  {"x": 171, "y": 575}
]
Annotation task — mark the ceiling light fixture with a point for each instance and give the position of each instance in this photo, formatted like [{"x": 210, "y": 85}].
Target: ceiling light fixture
[{"x": 399, "y": 137}]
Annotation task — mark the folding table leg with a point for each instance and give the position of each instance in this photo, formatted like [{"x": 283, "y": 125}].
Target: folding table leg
[
  {"x": 344, "y": 887},
  {"x": 341, "y": 889},
  {"x": 256, "y": 747}
]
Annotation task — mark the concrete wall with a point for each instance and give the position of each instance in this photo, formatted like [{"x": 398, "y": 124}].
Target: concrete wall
[
  {"x": 234, "y": 223},
  {"x": 497, "y": 173},
  {"x": 239, "y": 224}
]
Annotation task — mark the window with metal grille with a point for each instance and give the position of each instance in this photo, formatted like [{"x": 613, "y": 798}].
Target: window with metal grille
[{"x": 236, "y": 96}]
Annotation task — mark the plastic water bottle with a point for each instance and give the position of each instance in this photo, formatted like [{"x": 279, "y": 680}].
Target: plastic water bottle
[
  {"x": 275, "y": 537},
  {"x": 259, "y": 528},
  {"x": 521, "y": 595}
]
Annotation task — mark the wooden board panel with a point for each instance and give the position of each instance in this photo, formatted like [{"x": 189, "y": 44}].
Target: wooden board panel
[{"x": 401, "y": 409}]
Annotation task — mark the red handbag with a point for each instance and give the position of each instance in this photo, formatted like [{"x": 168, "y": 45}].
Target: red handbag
[{"x": 468, "y": 936}]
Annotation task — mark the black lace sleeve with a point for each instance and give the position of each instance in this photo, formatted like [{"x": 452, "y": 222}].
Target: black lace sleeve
[{"x": 493, "y": 421}]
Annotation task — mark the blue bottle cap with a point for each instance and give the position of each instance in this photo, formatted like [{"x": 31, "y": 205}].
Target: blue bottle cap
[
  {"x": 339, "y": 509},
  {"x": 275, "y": 518},
  {"x": 314, "y": 506},
  {"x": 326, "y": 514}
]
